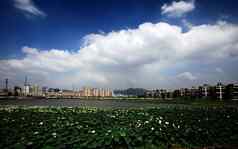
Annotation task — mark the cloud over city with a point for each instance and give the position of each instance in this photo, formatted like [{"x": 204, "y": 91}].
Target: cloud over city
[{"x": 146, "y": 56}]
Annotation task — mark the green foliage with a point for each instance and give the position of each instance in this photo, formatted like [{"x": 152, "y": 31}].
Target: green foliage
[{"x": 118, "y": 129}]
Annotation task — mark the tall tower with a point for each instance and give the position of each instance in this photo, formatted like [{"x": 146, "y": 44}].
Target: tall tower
[
  {"x": 25, "y": 83},
  {"x": 26, "y": 87},
  {"x": 205, "y": 90},
  {"x": 6, "y": 82},
  {"x": 220, "y": 92}
]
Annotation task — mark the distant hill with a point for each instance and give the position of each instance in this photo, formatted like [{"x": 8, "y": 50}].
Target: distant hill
[{"x": 131, "y": 92}]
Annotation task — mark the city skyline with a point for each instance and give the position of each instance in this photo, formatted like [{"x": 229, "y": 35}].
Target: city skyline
[
  {"x": 5, "y": 85},
  {"x": 219, "y": 91},
  {"x": 112, "y": 44}
]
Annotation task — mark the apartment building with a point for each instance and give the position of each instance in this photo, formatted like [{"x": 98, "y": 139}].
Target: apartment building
[{"x": 220, "y": 90}]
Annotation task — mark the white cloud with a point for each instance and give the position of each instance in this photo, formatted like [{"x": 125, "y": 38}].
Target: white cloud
[
  {"x": 187, "y": 76},
  {"x": 178, "y": 9},
  {"x": 148, "y": 56},
  {"x": 28, "y": 7}
]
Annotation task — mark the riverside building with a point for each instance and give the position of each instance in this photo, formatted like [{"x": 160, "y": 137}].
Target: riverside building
[{"x": 220, "y": 91}]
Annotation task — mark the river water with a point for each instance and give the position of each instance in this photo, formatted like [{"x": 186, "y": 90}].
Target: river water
[{"x": 106, "y": 103}]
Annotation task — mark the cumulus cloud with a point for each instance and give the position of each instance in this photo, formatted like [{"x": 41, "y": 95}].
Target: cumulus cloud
[
  {"x": 148, "y": 56},
  {"x": 178, "y": 9},
  {"x": 29, "y": 8}
]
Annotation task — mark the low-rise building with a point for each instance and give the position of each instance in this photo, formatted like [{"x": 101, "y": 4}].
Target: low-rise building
[
  {"x": 17, "y": 91},
  {"x": 44, "y": 91},
  {"x": 68, "y": 94},
  {"x": 3, "y": 92},
  {"x": 54, "y": 92}
]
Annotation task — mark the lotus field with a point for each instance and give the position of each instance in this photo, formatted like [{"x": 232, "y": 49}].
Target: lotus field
[{"x": 64, "y": 128}]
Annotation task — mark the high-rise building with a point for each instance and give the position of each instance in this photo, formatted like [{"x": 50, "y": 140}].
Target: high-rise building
[
  {"x": 108, "y": 92},
  {"x": 35, "y": 90},
  {"x": 26, "y": 88},
  {"x": 101, "y": 92},
  {"x": 182, "y": 92},
  {"x": 6, "y": 84},
  {"x": 205, "y": 90},
  {"x": 87, "y": 92},
  {"x": 96, "y": 92},
  {"x": 220, "y": 90},
  {"x": 235, "y": 92}
]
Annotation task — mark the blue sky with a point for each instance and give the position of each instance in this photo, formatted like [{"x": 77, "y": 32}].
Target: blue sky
[
  {"x": 69, "y": 25},
  {"x": 68, "y": 21}
]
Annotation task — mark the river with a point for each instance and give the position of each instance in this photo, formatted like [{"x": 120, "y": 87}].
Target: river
[{"x": 106, "y": 103}]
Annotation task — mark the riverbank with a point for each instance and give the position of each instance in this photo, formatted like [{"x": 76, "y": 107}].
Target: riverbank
[
  {"x": 102, "y": 103},
  {"x": 114, "y": 103}
]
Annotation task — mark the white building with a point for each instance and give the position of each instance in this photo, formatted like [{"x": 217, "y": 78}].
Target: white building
[{"x": 26, "y": 90}]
